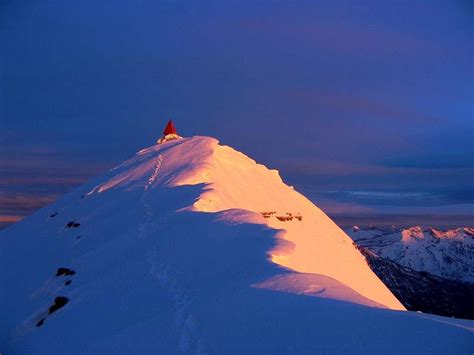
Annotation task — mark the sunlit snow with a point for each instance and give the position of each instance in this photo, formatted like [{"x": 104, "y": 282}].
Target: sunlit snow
[{"x": 192, "y": 247}]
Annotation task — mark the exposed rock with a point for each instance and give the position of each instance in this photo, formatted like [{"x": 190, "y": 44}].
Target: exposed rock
[
  {"x": 72, "y": 224},
  {"x": 65, "y": 271},
  {"x": 59, "y": 302}
]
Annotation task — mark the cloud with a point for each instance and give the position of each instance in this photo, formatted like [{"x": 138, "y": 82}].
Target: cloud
[
  {"x": 333, "y": 207},
  {"x": 369, "y": 108},
  {"x": 40, "y": 180},
  {"x": 10, "y": 219},
  {"x": 441, "y": 199},
  {"x": 33, "y": 176},
  {"x": 354, "y": 39},
  {"x": 23, "y": 203}
]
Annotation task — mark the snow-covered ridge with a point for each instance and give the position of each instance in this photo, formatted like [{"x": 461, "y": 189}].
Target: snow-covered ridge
[
  {"x": 190, "y": 247},
  {"x": 314, "y": 244},
  {"x": 415, "y": 232},
  {"x": 448, "y": 254}
]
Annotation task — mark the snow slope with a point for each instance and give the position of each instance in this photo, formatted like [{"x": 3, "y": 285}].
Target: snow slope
[
  {"x": 448, "y": 254},
  {"x": 134, "y": 262},
  {"x": 234, "y": 181}
]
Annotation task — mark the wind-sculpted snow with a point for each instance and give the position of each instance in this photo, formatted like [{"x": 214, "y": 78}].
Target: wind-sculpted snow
[
  {"x": 152, "y": 272},
  {"x": 314, "y": 285},
  {"x": 234, "y": 181}
]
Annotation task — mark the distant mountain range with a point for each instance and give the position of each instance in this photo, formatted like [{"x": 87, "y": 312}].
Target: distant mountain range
[
  {"x": 429, "y": 270},
  {"x": 448, "y": 254}
]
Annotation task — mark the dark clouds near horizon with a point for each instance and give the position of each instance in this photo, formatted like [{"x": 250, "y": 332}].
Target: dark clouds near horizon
[{"x": 365, "y": 106}]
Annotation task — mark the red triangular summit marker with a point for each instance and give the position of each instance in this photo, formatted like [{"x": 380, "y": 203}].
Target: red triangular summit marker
[{"x": 170, "y": 128}]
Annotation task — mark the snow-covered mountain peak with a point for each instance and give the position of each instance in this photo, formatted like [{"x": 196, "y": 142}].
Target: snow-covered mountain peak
[
  {"x": 231, "y": 180},
  {"x": 460, "y": 233},
  {"x": 445, "y": 253},
  {"x": 187, "y": 162},
  {"x": 192, "y": 247},
  {"x": 412, "y": 233},
  {"x": 432, "y": 234}
]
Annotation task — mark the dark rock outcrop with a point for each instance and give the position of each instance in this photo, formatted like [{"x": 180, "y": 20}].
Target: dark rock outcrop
[
  {"x": 59, "y": 302},
  {"x": 65, "y": 271},
  {"x": 72, "y": 224}
]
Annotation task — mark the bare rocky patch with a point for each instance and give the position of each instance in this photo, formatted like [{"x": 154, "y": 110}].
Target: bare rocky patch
[
  {"x": 72, "y": 224},
  {"x": 59, "y": 302},
  {"x": 286, "y": 217},
  {"x": 65, "y": 271}
]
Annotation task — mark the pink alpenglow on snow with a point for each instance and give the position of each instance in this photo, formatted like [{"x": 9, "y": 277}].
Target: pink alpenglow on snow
[
  {"x": 191, "y": 247},
  {"x": 169, "y": 133}
]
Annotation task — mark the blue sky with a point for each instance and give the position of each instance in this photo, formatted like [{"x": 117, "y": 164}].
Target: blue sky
[{"x": 366, "y": 107}]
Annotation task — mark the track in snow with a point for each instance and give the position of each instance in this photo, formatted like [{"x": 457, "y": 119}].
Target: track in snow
[
  {"x": 190, "y": 341},
  {"x": 148, "y": 213},
  {"x": 153, "y": 176}
]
